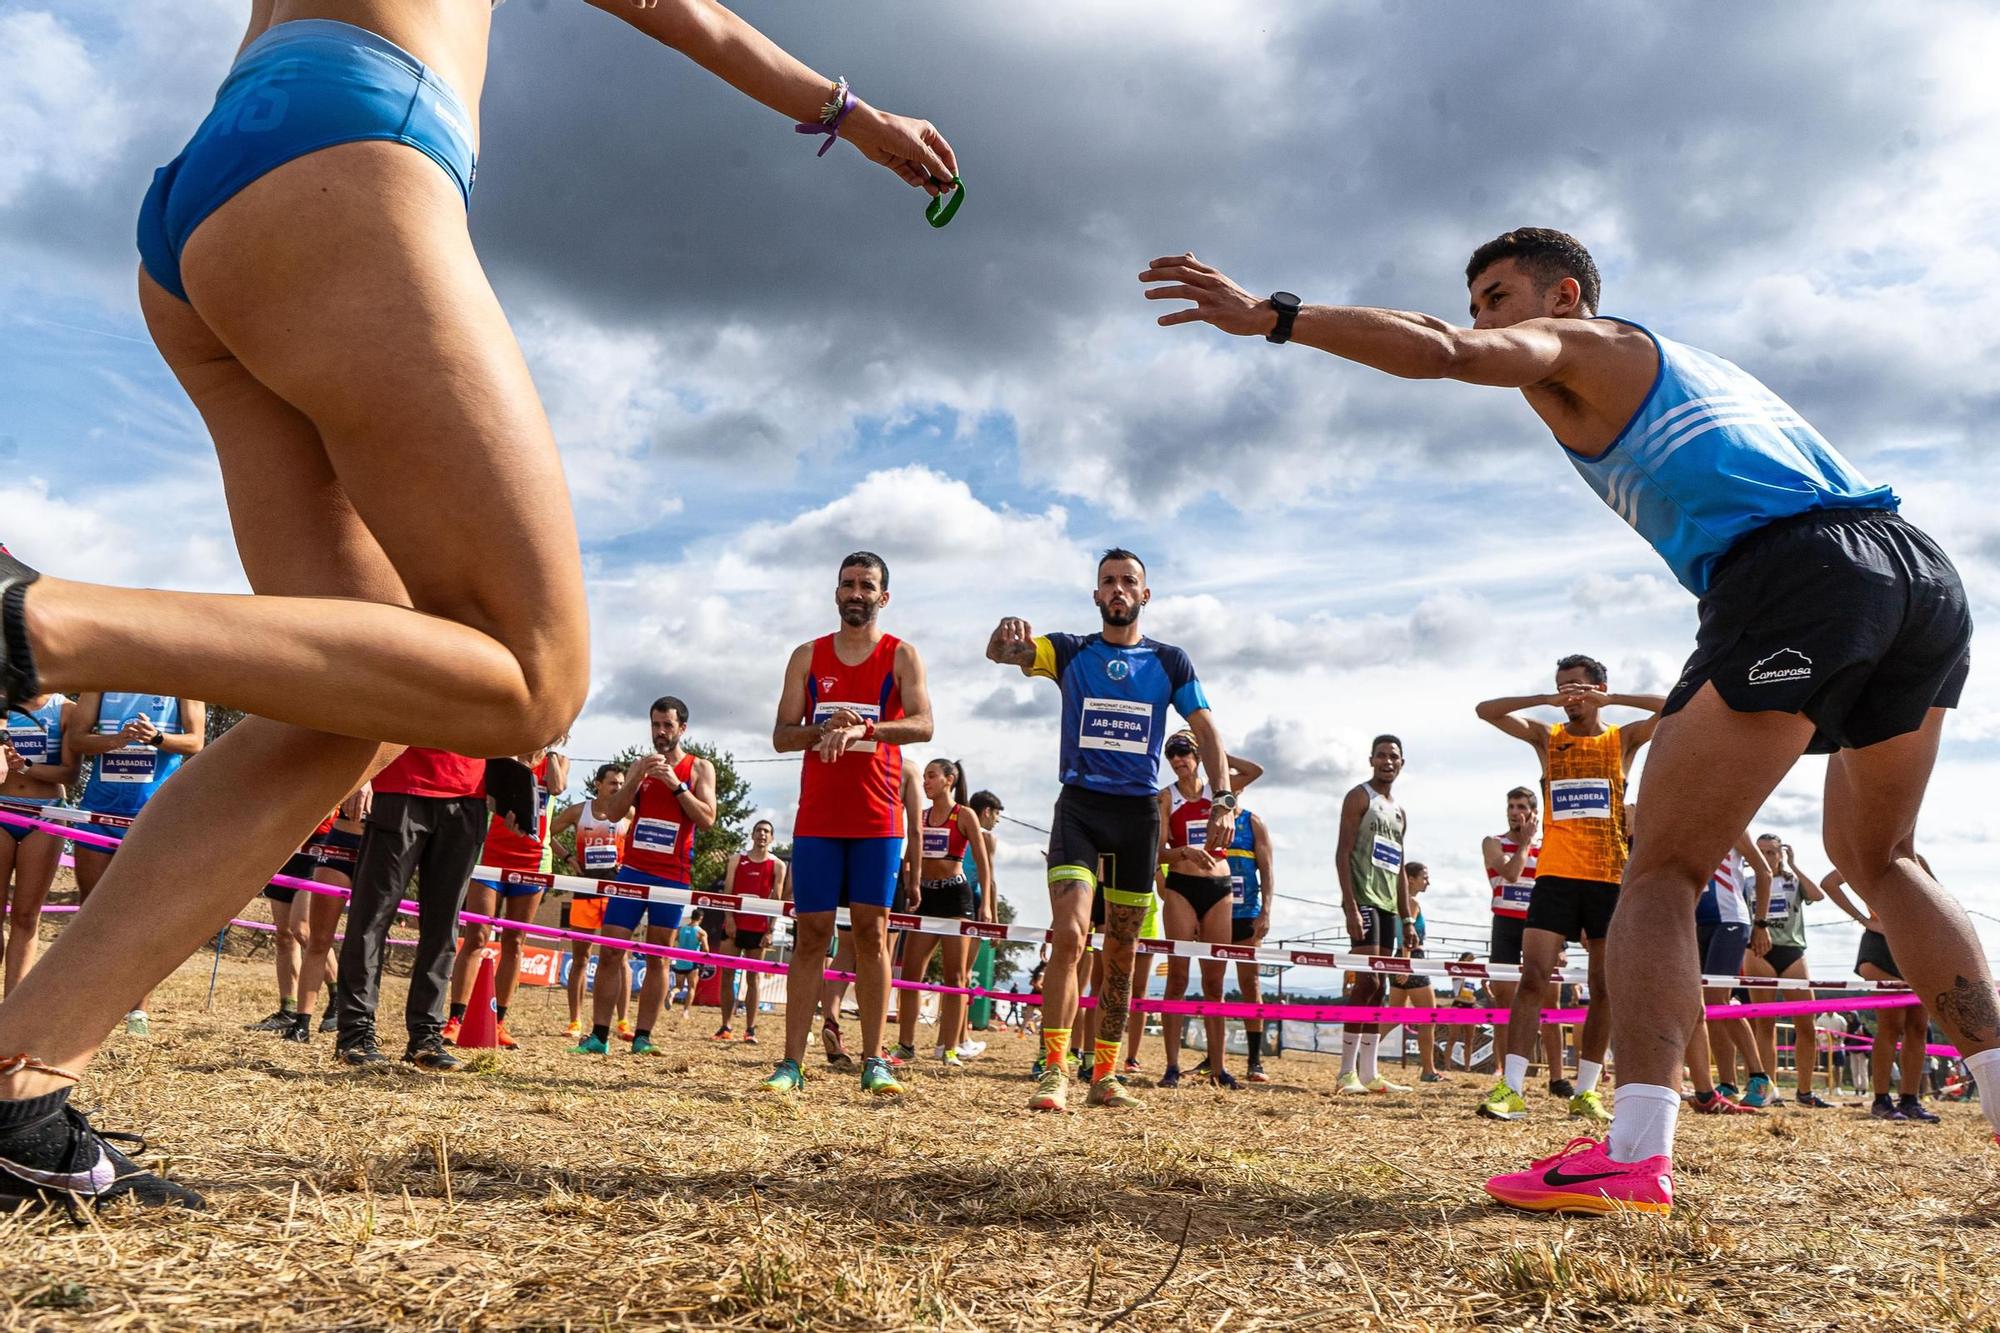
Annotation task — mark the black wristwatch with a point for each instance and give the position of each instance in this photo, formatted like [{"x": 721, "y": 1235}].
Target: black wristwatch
[
  {"x": 1287, "y": 306},
  {"x": 1763, "y": 924}
]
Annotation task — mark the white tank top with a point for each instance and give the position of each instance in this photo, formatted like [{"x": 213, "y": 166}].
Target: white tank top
[{"x": 600, "y": 844}]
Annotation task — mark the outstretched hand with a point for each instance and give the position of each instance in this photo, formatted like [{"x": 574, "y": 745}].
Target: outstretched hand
[
  {"x": 913, "y": 149},
  {"x": 1217, "y": 300}
]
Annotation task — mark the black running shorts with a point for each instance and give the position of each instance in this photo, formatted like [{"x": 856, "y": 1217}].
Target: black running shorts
[
  {"x": 1379, "y": 929},
  {"x": 1505, "y": 946},
  {"x": 1110, "y": 841},
  {"x": 1242, "y": 929},
  {"x": 1782, "y": 956},
  {"x": 1200, "y": 892},
  {"x": 1854, "y": 618},
  {"x": 1875, "y": 949},
  {"x": 298, "y": 866},
  {"x": 1576, "y": 909}
]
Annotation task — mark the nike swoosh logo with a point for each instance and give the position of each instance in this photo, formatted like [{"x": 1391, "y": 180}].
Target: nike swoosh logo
[
  {"x": 1557, "y": 1177},
  {"x": 94, "y": 1181}
]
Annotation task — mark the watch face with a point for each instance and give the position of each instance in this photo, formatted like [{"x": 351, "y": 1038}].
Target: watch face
[{"x": 1285, "y": 300}]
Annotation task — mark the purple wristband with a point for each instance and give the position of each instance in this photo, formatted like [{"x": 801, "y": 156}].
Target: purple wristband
[{"x": 830, "y": 128}]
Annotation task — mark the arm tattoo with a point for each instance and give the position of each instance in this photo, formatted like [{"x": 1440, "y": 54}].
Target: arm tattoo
[
  {"x": 1968, "y": 1012},
  {"x": 1121, "y": 933}
]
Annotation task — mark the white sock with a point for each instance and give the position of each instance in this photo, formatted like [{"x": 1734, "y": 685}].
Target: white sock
[
  {"x": 1645, "y": 1124},
  {"x": 1350, "y": 1050},
  {"x": 1587, "y": 1072},
  {"x": 1985, "y": 1066},
  {"x": 1515, "y": 1071},
  {"x": 1366, "y": 1069}
]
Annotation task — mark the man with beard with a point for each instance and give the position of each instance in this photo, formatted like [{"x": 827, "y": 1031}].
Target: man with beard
[
  {"x": 1584, "y": 764},
  {"x": 854, "y": 698},
  {"x": 1116, "y": 688}
]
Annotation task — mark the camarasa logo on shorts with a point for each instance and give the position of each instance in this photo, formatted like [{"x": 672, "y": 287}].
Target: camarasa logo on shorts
[{"x": 1785, "y": 664}]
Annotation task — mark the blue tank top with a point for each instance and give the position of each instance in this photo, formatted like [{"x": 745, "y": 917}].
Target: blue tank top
[
  {"x": 122, "y": 781},
  {"x": 1246, "y": 891},
  {"x": 1711, "y": 456},
  {"x": 37, "y": 736}
]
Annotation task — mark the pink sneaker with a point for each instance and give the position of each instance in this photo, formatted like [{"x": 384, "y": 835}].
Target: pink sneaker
[{"x": 1582, "y": 1178}]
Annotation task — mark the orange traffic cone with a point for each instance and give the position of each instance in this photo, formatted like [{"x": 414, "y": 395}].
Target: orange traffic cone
[{"x": 481, "y": 1030}]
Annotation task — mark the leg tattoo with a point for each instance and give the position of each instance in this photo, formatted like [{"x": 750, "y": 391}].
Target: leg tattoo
[
  {"x": 1968, "y": 1011},
  {"x": 1121, "y": 935}
]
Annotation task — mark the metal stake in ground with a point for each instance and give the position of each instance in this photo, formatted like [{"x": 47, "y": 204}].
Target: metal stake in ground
[{"x": 221, "y": 939}]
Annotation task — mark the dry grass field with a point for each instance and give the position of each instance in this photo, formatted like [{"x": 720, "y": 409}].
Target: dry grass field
[{"x": 546, "y": 1190}]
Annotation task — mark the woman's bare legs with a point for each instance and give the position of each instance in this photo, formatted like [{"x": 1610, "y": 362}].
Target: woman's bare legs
[
  {"x": 917, "y": 951},
  {"x": 34, "y": 867},
  {"x": 322, "y": 922},
  {"x": 507, "y": 972},
  {"x": 481, "y": 899}
]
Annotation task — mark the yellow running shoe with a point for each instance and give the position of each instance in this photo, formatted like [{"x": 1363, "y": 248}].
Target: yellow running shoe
[
  {"x": 1503, "y": 1103},
  {"x": 1382, "y": 1085},
  {"x": 1109, "y": 1092},
  {"x": 573, "y": 1030},
  {"x": 1350, "y": 1082},
  {"x": 1589, "y": 1106},
  {"x": 1051, "y": 1093},
  {"x": 622, "y": 1029}
]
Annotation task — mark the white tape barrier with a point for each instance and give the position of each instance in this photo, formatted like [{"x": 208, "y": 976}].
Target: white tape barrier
[{"x": 953, "y": 927}]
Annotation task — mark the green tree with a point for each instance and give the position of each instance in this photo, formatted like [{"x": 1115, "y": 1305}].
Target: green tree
[{"x": 221, "y": 717}]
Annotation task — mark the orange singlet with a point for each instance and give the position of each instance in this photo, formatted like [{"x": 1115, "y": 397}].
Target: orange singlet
[{"x": 1584, "y": 795}]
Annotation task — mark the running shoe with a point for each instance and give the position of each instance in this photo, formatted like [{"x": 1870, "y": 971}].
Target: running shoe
[
  {"x": 723, "y": 1034},
  {"x": 1913, "y": 1108},
  {"x": 622, "y": 1029},
  {"x": 1760, "y": 1093},
  {"x": 1227, "y": 1081},
  {"x": 1562, "y": 1089},
  {"x": 877, "y": 1077},
  {"x": 360, "y": 1050},
  {"x": 951, "y": 1062},
  {"x": 301, "y": 1030},
  {"x": 644, "y": 1046},
  {"x": 1350, "y": 1082},
  {"x": 971, "y": 1050},
  {"x": 1432, "y": 1076},
  {"x": 1589, "y": 1106},
  {"x": 749, "y": 1036},
  {"x": 1132, "y": 1067},
  {"x": 329, "y": 1021},
  {"x": 900, "y": 1056},
  {"x": 1379, "y": 1085},
  {"x": 504, "y": 1038},
  {"x": 451, "y": 1029},
  {"x": 1041, "y": 1063},
  {"x": 1729, "y": 1090},
  {"x": 786, "y": 1078},
  {"x": 279, "y": 1020},
  {"x": 1502, "y": 1103},
  {"x": 1255, "y": 1073},
  {"x": 1582, "y": 1178},
  {"x": 575, "y": 1029},
  {"x": 1714, "y": 1103},
  {"x": 18, "y": 682},
  {"x": 1051, "y": 1092},
  {"x": 60, "y": 1165},
  {"x": 1200, "y": 1070},
  {"x": 1109, "y": 1093},
  {"x": 591, "y": 1045},
  {"x": 1170, "y": 1077},
  {"x": 1812, "y": 1101},
  {"x": 1885, "y": 1108},
  {"x": 137, "y": 1024},
  {"x": 429, "y": 1053}
]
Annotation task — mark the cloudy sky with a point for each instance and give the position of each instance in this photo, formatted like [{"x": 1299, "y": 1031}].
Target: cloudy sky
[{"x": 757, "y": 360}]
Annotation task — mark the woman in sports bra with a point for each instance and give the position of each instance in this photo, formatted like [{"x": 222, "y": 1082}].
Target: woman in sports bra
[
  {"x": 949, "y": 828},
  {"x": 397, "y": 497},
  {"x": 37, "y": 771},
  {"x": 598, "y": 846},
  {"x": 1195, "y": 899}
]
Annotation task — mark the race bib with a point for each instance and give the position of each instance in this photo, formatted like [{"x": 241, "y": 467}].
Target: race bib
[
  {"x": 1580, "y": 798},
  {"x": 1517, "y": 895},
  {"x": 826, "y": 708},
  {"x": 659, "y": 836},
  {"x": 600, "y": 855},
  {"x": 1781, "y": 897},
  {"x": 133, "y": 764},
  {"x": 31, "y": 743},
  {"x": 1118, "y": 725},
  {"x": 937, "y": 843},
  {"x": 1198, "y": 834},
  {"x": 1236, "y": 889},
  {"x": 1386, "y": 854}
]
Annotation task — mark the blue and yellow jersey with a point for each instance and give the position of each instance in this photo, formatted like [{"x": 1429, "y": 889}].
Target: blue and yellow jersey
[
  {"x": 1246, "y": 890},
  {"x": 1115, "y": 700}
]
